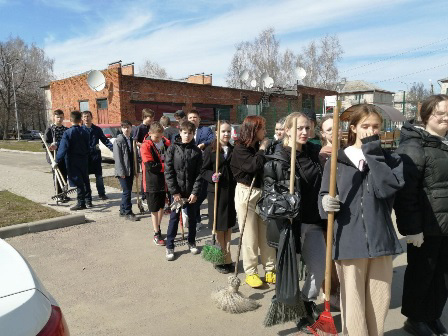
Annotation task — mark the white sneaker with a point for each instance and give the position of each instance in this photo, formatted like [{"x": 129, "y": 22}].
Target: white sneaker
[
  {"x": 169, "y": 254},
  {"x": 193, "y": 249}
]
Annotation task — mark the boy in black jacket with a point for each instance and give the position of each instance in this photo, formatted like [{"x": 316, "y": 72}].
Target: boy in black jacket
[
  {"x": 53, "y": 137},
  {"x": 183, "y": 164}
]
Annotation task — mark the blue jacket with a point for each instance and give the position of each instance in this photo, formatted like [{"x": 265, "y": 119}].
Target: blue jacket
[
  {"x": 363, "y": 227},
  {"x": 95, "y": 136},
  {"x": 204, "y": 136},
  {"x": 74, "y": 149}
]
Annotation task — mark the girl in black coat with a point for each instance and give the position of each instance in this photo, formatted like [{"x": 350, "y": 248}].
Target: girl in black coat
[
  {"x": 422, "y": 216},
  {"x": 308, "y": 226},
  {"x": 226, "y": 214},
  {"x": 364, "y": 238}
]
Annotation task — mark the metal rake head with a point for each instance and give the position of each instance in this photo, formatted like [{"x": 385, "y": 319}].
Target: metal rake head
[{"x": 64, "y": 193}]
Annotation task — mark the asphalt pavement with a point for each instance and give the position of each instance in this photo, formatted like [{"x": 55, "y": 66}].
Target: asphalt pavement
[{"x": 111, "y": 279}]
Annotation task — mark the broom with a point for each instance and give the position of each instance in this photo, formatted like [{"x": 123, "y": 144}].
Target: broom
[
  {"x": 324, "y": 325},
  {"x": 229, "y": 298},
  {"x": 211, "y": 251},
  {"x": 139, "y": 201},
  {"x": 279, "y": 312}
]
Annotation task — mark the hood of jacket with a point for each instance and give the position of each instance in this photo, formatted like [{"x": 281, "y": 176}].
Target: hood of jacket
[{"x": 410, "y": 133}]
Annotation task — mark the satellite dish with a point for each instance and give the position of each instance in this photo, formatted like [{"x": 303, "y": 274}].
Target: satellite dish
[
  {"x": 253, "y": 83},
  {"x": 268, "y": 82},
  {"x": 244, "y": 75},
  {"x": 300, "y": 73},
  {"x": 264, "y": 76},
  {"x": 96, "y": 80}
]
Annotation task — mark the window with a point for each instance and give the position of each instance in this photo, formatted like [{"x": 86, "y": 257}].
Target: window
[
  {"x": 101, "y": 104},
  {"x": 84, "y": 105}
]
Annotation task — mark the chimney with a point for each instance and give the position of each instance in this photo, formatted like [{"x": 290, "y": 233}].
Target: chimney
[
  {"x": 200, "y": 79},
  {"x": 114, "y": 65},
  {"x": 128, "y": 69}
]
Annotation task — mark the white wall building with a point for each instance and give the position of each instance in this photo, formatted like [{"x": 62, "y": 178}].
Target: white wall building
[{"x": 358, "y": 92}]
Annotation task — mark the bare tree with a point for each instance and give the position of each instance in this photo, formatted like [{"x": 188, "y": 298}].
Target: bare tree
[
  {"x": 417, "y": 93},
  {"x": 319, "y": 59},
  {"x": 152, "y": 69},
  {"x": 28, "y": 69}
]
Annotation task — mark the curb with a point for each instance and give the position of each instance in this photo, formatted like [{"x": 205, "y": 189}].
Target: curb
[
  {"x": 42, "y": 225},
  {"x": 19, "y": 151}
]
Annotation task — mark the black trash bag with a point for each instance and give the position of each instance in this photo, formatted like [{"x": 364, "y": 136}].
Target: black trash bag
[
  {"x": 277, "y": 202},
  {"x": 274, "y": 228},
  {"x": 287, "y": 283}
]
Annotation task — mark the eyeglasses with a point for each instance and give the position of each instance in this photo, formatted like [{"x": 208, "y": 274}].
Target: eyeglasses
[{"x": 440, "y": 115}]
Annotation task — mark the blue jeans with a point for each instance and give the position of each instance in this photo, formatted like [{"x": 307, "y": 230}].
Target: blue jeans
[
  {"x": 126, "y": 186},
  {"x": 100, "y": 184},
  {"x": 173, "y": 225}
]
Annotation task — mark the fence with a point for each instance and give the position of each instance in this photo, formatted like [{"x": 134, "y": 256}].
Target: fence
[{"x": 271, "y": 111}]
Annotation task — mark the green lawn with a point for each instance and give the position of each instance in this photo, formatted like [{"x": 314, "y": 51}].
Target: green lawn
[
  {"x": 16, "y": 209},
  {"x": 22, "y": 145}
]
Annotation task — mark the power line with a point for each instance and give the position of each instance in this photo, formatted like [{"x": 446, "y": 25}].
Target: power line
[
  {"x": 412, "y": 73},
  {"x": 393, "y": 56},
  {"x": 417, "y": 56}
]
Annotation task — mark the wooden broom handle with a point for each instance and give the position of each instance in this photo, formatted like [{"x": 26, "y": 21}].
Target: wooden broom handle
[
  {"x": 332, "y": 193},
  {"x": 292, "y": 175},
  {"x": 215, "y": 206}
]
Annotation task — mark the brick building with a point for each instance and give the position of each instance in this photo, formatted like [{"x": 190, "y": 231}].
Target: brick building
[{"x": 125, "y": 95}]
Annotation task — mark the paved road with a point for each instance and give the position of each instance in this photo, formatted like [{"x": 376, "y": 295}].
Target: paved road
[{"x": 110, "y": 279}]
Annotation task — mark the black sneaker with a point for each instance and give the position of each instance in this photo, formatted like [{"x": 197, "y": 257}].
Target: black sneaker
[
  {"x": 89, "y": 204},
  {"x": 133, "y": 218},
  {"x": 222, "y": 269},
  {"x": 302, "y": 324},
  {"x": 78, "y": 207},
  {"x": 103, "y": 197},
  {"x": 230, "y": 267}
]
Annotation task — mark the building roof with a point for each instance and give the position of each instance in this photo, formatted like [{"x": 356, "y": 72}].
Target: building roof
[
  {"x": 361, "y": 86},
  {"x": 443, "y": 80}
]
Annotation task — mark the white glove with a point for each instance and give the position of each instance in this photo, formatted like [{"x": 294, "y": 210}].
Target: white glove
[
  {"x": 416, "y": 240},
  {"x": 54, "y": 165},
  {"x": 331, "y": 204}
]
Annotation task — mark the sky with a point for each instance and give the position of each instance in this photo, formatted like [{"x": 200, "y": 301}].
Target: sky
[{"x": 391, "y": 43}]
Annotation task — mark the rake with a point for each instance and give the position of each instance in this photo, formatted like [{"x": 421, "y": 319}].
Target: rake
[
  {"x": 324, "y": 326},
  {"x": 59, "y": 178}
]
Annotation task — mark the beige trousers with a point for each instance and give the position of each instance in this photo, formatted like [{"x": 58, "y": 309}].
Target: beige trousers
[
  {"x": 365, "y": 294},
  {"x": 254, "y": 237},
  {"x": 224, "y": 238}
]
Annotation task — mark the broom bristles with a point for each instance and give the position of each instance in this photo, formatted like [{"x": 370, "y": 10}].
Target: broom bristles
[
  {"x": 231, "y": 300},
  {"x": 279, "y": 313},
  {"x": 324, "y": 326},
  {"x": 213, "y": 254}
]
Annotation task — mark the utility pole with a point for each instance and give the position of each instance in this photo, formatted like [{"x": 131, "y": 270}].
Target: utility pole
[
  {"x": 404, "y": 102},
  {"x": 15, "y": 102},
  {"x": 432, "y": 87}
]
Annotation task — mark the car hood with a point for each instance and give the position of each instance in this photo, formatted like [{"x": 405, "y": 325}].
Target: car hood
[{"x": 20, "y": 276}]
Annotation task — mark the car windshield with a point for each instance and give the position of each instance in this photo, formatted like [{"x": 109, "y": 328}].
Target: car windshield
[{"x": 113, "y": 131}]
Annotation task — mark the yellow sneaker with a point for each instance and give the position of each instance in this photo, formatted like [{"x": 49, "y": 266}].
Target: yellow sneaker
[
  {"x": 270, "y": 277},
  {"x": 254, "y": 280}
]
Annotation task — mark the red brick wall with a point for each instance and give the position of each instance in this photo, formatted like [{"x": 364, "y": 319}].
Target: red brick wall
[
  {"x": 67, "y": 93},
  {"x": 140, "y": 90}
]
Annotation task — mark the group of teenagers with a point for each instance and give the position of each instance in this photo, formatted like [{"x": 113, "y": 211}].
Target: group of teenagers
[{"x": 370, "y": 182}]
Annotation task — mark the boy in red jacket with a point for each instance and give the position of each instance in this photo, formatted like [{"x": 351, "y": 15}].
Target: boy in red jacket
[{"x": 153, "y": 151}]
